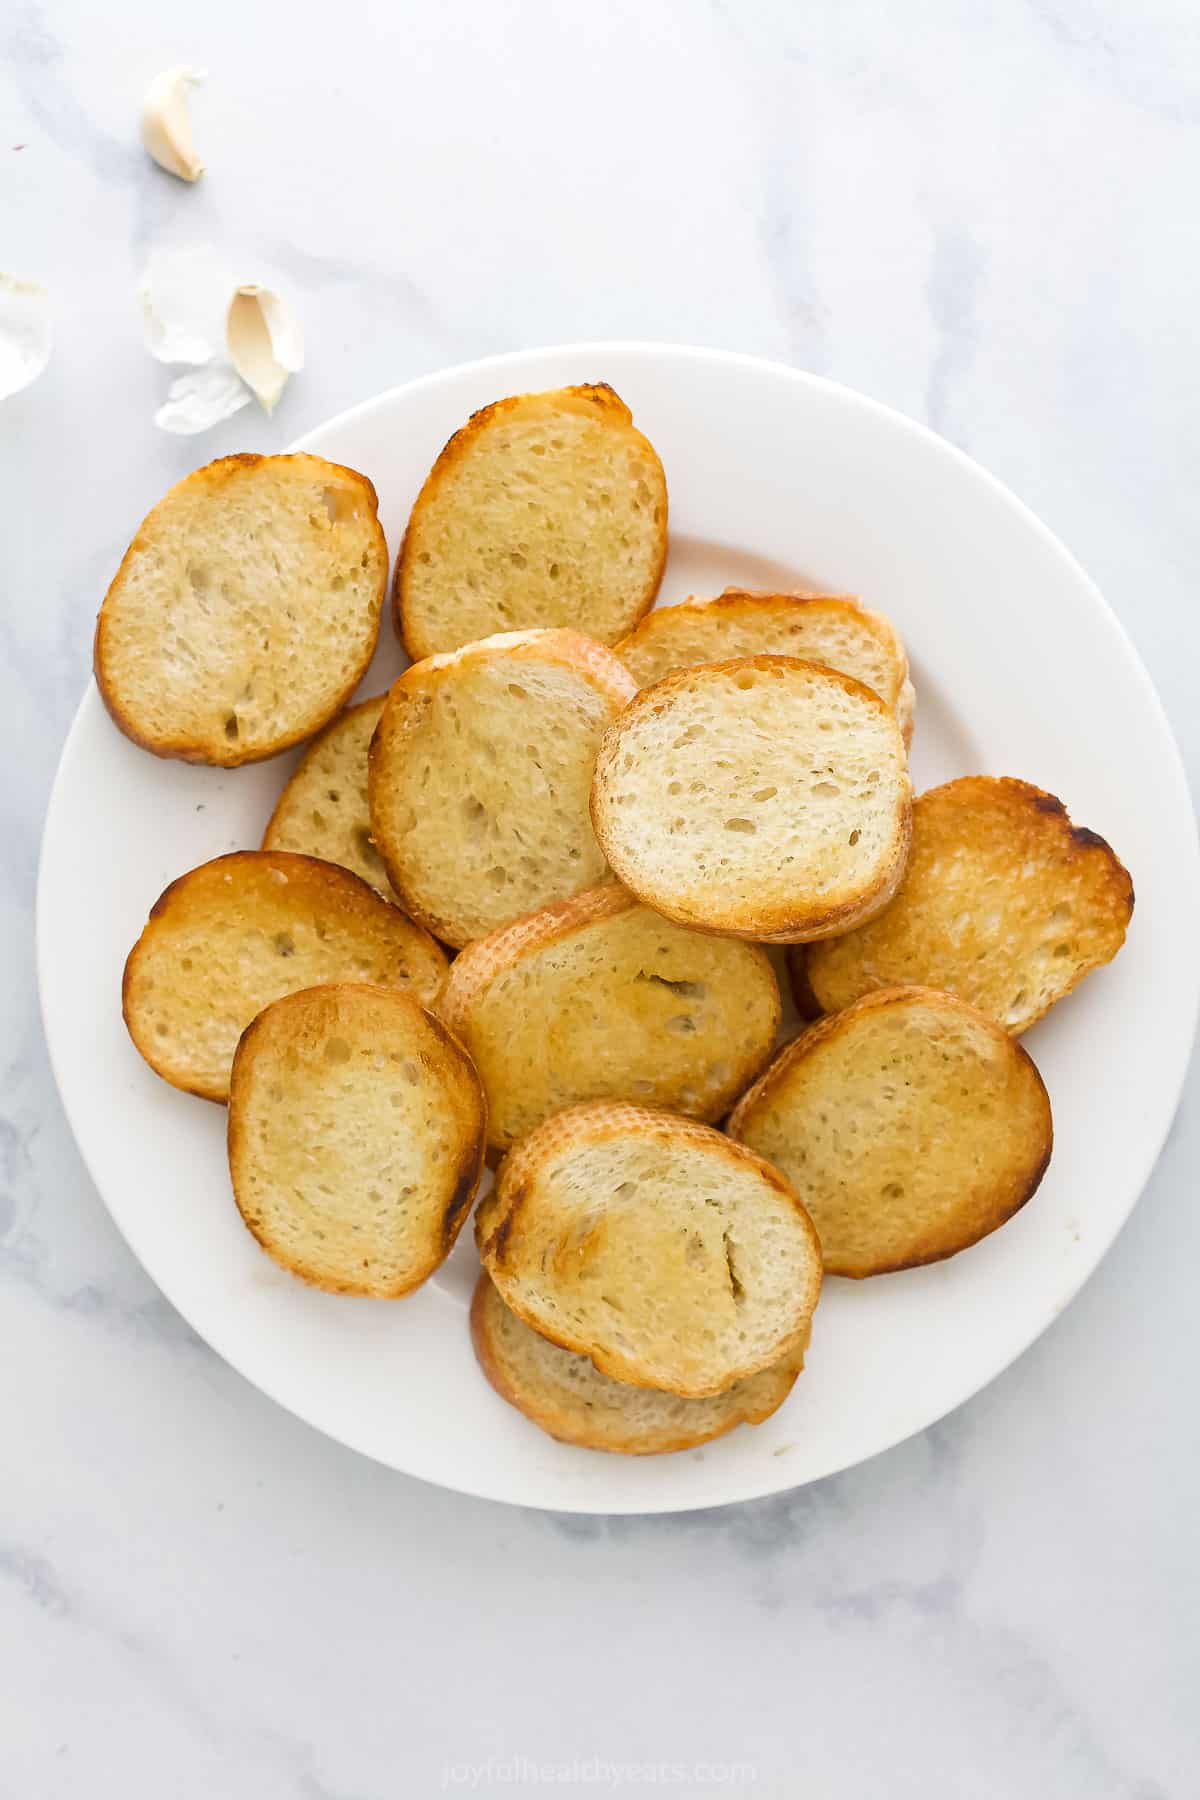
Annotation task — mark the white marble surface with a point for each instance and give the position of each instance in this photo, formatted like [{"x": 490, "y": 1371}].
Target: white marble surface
[{"x": 980, "y": 211}]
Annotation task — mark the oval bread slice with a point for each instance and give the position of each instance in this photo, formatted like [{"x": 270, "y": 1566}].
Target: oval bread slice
[
  {"x": 323, "y": 811},
  {"x": 763, "y": 798},
  {"x": 599, "y": 998},
  {"x": 356, "y": 1131},
  {"x": 1004, "y": 902},
  {"x": 479, "y": 777},
  {"x": 834, "y": 629},
  {"x": 246, "y": 609},
  {"x": 544, "y": 510},
  {"x": 569, "y": 1398},
  {"x": 231, "y": 936},
  {"x": 912, "y": 1124},
  {"x": 670, "y": 1256}
]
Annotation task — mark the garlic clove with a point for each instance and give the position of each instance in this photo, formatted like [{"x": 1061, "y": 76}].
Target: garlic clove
[
  {"x": 167, "y": 124},
  {"x": 264, "y": 341},
  {"x": 201, "y": 399},
  {"x": 26, "y": 333}
]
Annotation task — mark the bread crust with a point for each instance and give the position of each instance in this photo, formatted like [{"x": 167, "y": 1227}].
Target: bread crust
[
  {"x": 442, "y": 1051},
  {"x": 572, "y": 1420},
  {"x": 588, "y": 399},
  {"x": 476, "y": 967},
  {"x": 318, "y": 879},
  {"x": 499, "y": 1214},
  {"x": 734, "y": 603},
  {"x": 212, "y": 751},
  {"x": 1019, "y": 1184},
  {"x": 1014, "y": 830},
  {"x": 801, "y": 921}
]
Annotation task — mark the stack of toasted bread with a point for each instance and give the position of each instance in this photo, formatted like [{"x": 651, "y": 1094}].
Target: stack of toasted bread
[{"x": 514, "y": 911}]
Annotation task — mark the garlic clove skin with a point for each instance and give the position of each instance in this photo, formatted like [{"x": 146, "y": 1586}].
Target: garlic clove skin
[
  {"x": 185, "y": 297},
  {"x": 26, "y": 333},
  {"x": 167, "y": 124},
  {"x": 264, "y": 342},
  {"x": 201, "y": 399}
]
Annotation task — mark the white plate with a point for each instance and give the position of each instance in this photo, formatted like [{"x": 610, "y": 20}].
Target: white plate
[{"x": 1020, "y": 669}]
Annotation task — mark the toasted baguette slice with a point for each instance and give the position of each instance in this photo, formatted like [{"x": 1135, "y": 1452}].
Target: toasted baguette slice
[
  {"x": 545, "y": 509},
  {"x": 763, "y": 798},
  {"x": 479, "y": 776},
  {"x": 569, "y": 1398},
  {"x": 323, "y": 810},
  {"x": 356, "y": 1130},
  {"x": 231, "y": 936},
  {"x": 598, "y": 998},
  {"x": 834, "y": 629},
  {"x": 1004, "y": 902},
  {"x": 912, "y": 1124},
  {"x": 671, "y": 1257},
  {"x": 246, "y": 609}
]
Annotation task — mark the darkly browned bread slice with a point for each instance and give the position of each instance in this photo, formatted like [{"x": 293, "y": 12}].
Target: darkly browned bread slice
[
  {"x": 597, "y": 997},
  {"x": 231, "y": 936},
  {"x": 479, "y": 777},
  {"x": 323, "y": 810},
  {"x": 356, "y": 1131},
  {"x": 246, "y": 609},
  {"x": 544, "y": 510},
  {"x": 764, "y": 798},
  {"x": 834, "y": 629},
  {"x": 911, "y": 1123},
  {"x": 1004, "y": 902},
  {"x": 669, "y": 1255},
  {"x": 569, "y": 1398}
]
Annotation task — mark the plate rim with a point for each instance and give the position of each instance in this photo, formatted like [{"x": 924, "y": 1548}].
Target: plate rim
[{"x": 1189, "y": 855}]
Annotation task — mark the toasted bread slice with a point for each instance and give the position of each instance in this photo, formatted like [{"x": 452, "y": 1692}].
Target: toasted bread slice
[
  {"x": 479, "y": 776},
  {"x": 912, "y": 1124},
  {"x": 834, "y": 629},
  {"x": 323, "y": 810},
  {"x": 764, "y": 798},
  {"x": 231, "y": 936},
  {"x": 569, "y": 1398},
  {"x": 544, "y": 510},
  {"x": 671, "y": 1257},
  {"x": 356, "y": 1131},
  {"x": 246, "y": 609},
  {"x": 598, "y": 998},
  {"x": 1004, "y": 902}
]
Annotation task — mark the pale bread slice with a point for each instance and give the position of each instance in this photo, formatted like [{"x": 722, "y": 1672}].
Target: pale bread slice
[
  {"x": 323, "y": 811},
  {"x": 544, "y": 510},
  {"x": 246, "y": 609},
  {"x": 834, "y": 629},
  {"x": 1004, "y": 902},
  {"x": 763, "y": 798},
  {"x": 911, "y": 1123},
  {"x": 670, "y": 1256},
  {"x": 231, "y": 936},
  {"x": 569, "y": 1398},
  {"x": 479, "y": 776},
  {"x": 599, "y": 998},
  {"x": 356, "y": 1132}
]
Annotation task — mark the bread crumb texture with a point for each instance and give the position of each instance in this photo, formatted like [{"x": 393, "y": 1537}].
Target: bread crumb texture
[
  {"x": 246, "y": 609},
  {"x": 671, "y": 1257},
  {"x": 356, "y": 1129},
  {"x": 569, "y": 1398},
  {"x": 544, "y": 510},
  {"x": 1004, "y": 902},
  {"x": 910, "y": 1124},
  {"x": 231, "y": 936}
]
